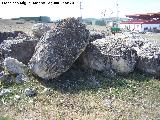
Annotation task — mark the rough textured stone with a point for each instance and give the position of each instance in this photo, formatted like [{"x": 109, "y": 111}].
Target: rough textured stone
[
  {"x": 20, "y": 49},
  {"x": 59, "y": 48},
  {"x": 39, "y": 29},
  {"x": 7, "y": 79},
  {"x": 149, "y": 58},
  {"x": 96, "y": 35},
  {"x": 1, "y": 74},
  {"x": 1, "y": 60},
  {"x": 47, "y": 91},
  {"x": 14, "y": 66},
  {"x": 6, "y": 35},
  {"x": 21, "y": 78},
  {"x": 30, "y": 92},
  {"x": 134, "y": 43},
  {"x": 17, "y": 97},
  {"x": 109, "y": 54},
  {"x": 148, "y": 54},
  {"x": 5, "y": 91}
]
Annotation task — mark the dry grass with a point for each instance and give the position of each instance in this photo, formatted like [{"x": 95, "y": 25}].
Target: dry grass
[
  {"x": 7, "y": 25},
  {"x": 76, "y": 98},
  {"x": 11, "y": 25}
]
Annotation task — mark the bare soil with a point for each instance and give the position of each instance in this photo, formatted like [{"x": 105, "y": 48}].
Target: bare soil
[{"x": 7, "y": 25}]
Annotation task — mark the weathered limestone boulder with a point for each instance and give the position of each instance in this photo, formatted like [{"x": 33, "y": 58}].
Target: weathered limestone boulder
[
  {"x": 135, "y": 43},
  {"x": 149, "y": 58},
  {"x": 109, "y": 54},
  {"x": 13, "y": 67},
  {"x": 20, "y": 49},
  {"x": 148, "y": 54},
  {"x": 59, "y": 48},
  {"x": 39, "y": 29}
]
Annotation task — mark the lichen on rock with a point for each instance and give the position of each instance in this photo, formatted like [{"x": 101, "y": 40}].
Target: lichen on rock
[
  {"x": 59, "y": 48},
  {"x": 109, "y": 54}
]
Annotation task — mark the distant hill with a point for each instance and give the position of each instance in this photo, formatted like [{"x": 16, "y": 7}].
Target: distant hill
[{"x": 36, "y": 19}]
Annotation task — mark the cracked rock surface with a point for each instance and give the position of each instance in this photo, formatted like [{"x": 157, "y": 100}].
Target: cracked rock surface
[
  {"x": 59, "y": 48},
  {"x": 109, "y": 54},
  {"x": 39, "y": 29},
  {"x": 149, "y": 58},
  {"x": 20, "y": 49}
]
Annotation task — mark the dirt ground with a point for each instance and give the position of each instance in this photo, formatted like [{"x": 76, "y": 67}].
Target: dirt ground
[{"x": 7, "y": 25}]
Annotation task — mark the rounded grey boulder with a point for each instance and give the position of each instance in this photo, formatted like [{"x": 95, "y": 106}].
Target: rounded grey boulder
[
  {"x": 14, "y": 66},
  {"x": 30, "y": 92}
]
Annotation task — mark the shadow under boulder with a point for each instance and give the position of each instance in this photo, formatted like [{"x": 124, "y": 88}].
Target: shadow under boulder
[
  {"x": 6, "y": 35},
  {"x": 20, "y": 49},
  {"x": 96, "y": 35}
]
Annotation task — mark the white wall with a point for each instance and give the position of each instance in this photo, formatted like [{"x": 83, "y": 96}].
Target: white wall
[
  {"x": 135, "y": 27},
  {"x": 139, "y": 27},
  {"x": 150, "y": 26}
]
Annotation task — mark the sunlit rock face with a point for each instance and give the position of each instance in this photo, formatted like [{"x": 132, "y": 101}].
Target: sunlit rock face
[
  {"x": 39, "y": 29},
  {"x": 59, "y": 48},
  {"x": 109, "y": 54}
]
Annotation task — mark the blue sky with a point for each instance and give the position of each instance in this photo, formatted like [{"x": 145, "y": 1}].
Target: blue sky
[{"x": 91, "y": 8}]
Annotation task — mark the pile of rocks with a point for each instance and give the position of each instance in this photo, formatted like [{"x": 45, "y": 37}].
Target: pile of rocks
[
  {"x": 49, "y": 54},
  {"x": 123, "y": 55},
  {"x": 53, "y": 51}
]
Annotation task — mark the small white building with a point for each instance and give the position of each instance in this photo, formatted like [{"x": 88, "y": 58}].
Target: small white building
[{"x": 142, "y": 22}]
